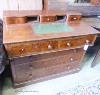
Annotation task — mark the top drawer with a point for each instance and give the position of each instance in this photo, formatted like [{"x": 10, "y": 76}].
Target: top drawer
[
  {"x": 73, "y": 18},
  {"x": 15, "y": 20},
  {"x": 35, "y": 47},
  {"x": 47, "y": 18}
]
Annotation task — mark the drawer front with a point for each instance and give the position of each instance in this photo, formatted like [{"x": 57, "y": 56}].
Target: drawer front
[
  {"x": 21, "y": 49},
  {"x": 15, "y": 20},
  {"x": 53, "y": 71},
  {"x": 47, "y": 18},
  {"x": 9, "y": 20},
  {"x": 74, "y": 18},
  {"x": 63, "y": 57},
  {"x": 18, "y": 49},
  {"x": 20, "y": 20}
]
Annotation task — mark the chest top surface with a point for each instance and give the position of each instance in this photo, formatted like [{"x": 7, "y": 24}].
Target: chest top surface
[{"x": 32, "y": 32}]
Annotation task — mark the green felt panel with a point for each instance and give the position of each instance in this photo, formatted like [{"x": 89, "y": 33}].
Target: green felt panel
[{"x": 51, "y": 28}]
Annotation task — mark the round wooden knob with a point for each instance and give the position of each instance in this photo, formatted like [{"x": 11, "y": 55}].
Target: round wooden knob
[
  {"x": 48, "y": 19},
  {"x": 71, "y": 59},
  {"x": 22, "y": 50},
  {"x": 68, "y": 44},
  {"x": 87, "y": 41},
  {"x": 49, "y": 46},
  {"x": 74, "y": 18}
]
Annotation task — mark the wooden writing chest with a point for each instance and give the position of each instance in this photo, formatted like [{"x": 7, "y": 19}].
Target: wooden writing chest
[{"x": 36, "y": 57}]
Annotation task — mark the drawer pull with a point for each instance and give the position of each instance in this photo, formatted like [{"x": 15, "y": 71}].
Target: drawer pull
[
  {"x": 68, "y": 67},
  {"x": 68, "y": 44},
  {"x": 49, "y": 46},
  {"x": 71, "y": 59},
  {"x": 87, "y": 41},
  {"x": 48, "y": 19},
  {"x": 22, "y": 50},
  {"x": 74, "y": 18}
]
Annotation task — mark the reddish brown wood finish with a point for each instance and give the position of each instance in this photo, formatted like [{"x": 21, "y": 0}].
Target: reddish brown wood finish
[
  {"x": 15, "y": 20},
  {"x": 20, "y": 20},
  {"x": 73, "y": 18},
  {"x": 40, "y": 67},
  {"x": 47, "y": 18},
  {"x": 30, "y": 48}
]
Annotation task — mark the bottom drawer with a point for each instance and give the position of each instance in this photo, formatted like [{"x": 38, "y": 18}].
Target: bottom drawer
[{"x": 44, "y": 66}]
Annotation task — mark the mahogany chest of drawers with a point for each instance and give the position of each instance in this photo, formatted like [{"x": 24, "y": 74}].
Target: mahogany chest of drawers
[{"x": 36, "y": 57}]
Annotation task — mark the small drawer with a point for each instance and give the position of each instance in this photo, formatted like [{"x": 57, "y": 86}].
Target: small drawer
[
  {"x": 47, "y": 18},
  {"x": 15, "y": 20},
  {"x": 9, "y": 20},
  {"x": 20, "y": 20},
  {"x": 73, "y": 18}
]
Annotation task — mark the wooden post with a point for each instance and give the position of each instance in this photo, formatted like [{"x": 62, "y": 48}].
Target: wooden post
[{"x": 45, "y": 5}]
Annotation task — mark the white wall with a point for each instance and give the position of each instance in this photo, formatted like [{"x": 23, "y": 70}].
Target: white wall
[
  {"x": 19, "y": 5},
  {"x": 30, "y": 4}
]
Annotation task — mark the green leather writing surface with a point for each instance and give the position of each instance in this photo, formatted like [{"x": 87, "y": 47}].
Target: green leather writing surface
[{"x": 49, "y": 28}]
